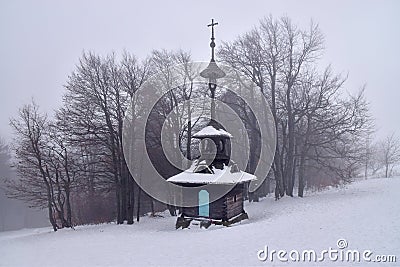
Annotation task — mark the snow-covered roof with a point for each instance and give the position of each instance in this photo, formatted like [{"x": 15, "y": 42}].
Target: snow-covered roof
[
  {"x": 223, "y": 176},
  {"x": 210, "y": 131}
]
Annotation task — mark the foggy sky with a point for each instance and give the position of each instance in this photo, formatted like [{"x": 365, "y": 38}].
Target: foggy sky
[{"x": 41, "y": 41}]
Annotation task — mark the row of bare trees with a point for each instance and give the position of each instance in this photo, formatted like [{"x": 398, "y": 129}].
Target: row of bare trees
[
  {"x": 76, "y": 159},
  {"x": 381, "y": 156},
  {"x": 319, "y": 129}
]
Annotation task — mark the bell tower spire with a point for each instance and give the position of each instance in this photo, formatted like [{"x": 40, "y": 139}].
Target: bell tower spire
[
  {"x": 212, "y": 72},
  {"x": 212, "y": 44}
]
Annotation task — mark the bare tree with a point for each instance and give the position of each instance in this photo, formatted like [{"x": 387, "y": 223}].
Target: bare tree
[
  {"x": 35, "y": 186},
  {"x": 390, "y": 153},
  {"x": 259, "y": 55},
  {"x": 329, "y": 129},
  {"x": 98, "y": 94},
  {"x": 369, "y": 151},
  {"x": 274, "y": 55},
  {"x": 301, "y": 48},
  {"x": 375, "y": 163}
]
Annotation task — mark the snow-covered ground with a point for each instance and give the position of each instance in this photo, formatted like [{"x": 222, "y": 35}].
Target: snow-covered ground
[{"x": 366, "y": 214}]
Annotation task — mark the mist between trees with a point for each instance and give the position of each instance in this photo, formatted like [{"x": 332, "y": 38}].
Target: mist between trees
[{"x": 74, "y": 166}]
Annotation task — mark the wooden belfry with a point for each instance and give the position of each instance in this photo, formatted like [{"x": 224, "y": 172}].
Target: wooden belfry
[{"x": 214, "y": 168}]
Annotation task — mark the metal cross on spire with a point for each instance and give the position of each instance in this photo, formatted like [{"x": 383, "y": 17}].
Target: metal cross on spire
[{"x": 212, "y": 44}]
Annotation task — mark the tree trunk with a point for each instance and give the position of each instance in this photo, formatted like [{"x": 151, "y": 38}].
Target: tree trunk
[
  {"x": 290, "y": 151},
  {"x": 152, "y": 207},
  {"x": 386, "y": 170},
  {"x": 300, "y": 191},
  {"x": 130, "y": 198},
  {"x": 279, "y": 190},
  {"x": 118, "y": 202},
  {"x": 68, "y": 206},
  {"x": 293, "y": 177},
  {"x": 49, "y": 205},
  {"x": 138, "y": 204}
]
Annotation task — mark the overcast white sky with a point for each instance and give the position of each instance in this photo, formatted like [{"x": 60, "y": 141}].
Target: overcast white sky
[{"x": 41, "y": 41}]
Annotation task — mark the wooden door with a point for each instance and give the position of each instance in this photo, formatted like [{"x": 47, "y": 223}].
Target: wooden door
[{"x": 204, "y": 205}]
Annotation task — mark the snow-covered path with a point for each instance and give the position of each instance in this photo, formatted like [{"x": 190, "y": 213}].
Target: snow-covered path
[{"x": 366, "y": 214}]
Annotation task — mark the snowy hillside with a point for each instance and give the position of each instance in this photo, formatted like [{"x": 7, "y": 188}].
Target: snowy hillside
[{"x": 366, "y": 214}]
